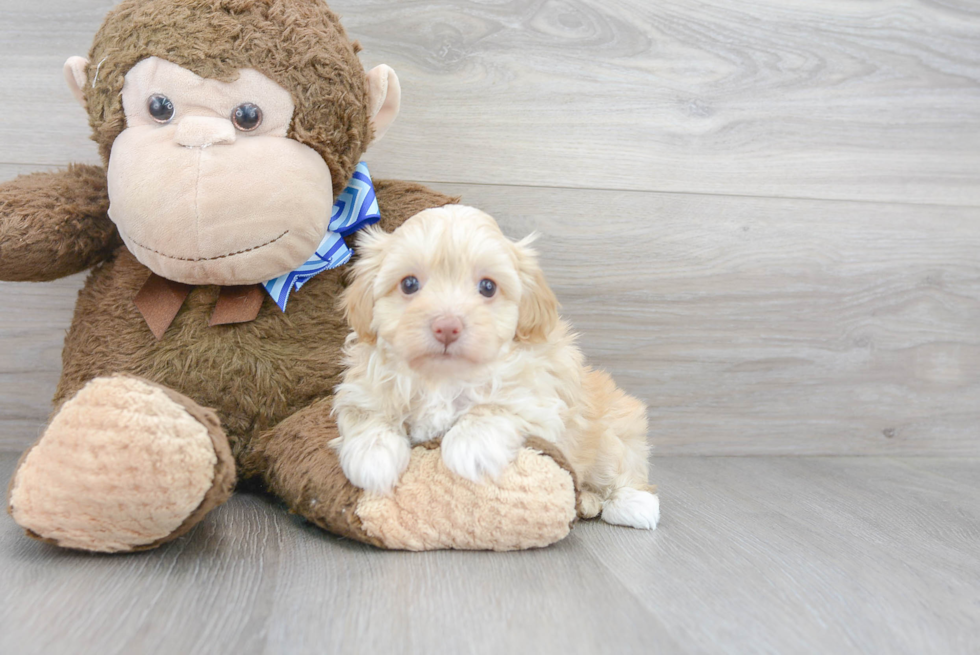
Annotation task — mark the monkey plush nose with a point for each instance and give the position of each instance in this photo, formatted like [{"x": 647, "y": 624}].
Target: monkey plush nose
[
  {"x": 204, "y": 131},
  {"x": 447, "y": 329}
]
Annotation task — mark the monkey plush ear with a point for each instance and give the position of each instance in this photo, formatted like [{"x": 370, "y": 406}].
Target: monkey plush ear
[
  {"x": 75, "y": 77},
  {"x": 385, "y": 99}
]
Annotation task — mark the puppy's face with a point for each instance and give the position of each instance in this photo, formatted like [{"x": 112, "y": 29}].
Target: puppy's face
[{"x": 447, "y": 290}]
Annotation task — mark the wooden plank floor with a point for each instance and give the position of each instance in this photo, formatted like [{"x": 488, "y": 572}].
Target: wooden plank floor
[{"x": 754, "y": 555}]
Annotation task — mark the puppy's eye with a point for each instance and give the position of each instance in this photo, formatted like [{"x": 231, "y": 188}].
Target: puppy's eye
[
  {"x": 246, "y": 117},
  {"x": 160, "y": 108},
  {"x": 487, "y": 287},
  {"x": 410, "y": 285}
]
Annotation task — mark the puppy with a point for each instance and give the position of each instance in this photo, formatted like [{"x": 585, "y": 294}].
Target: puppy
[{"x": 457, "y": 335}]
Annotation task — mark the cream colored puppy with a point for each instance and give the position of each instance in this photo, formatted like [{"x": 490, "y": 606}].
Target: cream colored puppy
[{"x": 457, "y": 335}]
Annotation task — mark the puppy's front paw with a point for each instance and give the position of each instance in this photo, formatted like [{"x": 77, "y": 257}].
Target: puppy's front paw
[
  {"x": 374, "y": 462},
  {"x": 475, "y": 447}
]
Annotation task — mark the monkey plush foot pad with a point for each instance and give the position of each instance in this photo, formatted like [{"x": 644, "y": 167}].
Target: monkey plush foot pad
[
  {"x": 531, "y": 505},
  {"x": 124, "y": 465}
]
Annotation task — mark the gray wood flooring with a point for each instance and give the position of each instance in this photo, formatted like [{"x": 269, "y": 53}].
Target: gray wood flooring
[
  {"x": 764, "y": 219},
  {"x": 754, "y": 555}
]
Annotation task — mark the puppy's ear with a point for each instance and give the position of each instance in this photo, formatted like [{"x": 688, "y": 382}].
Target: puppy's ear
[
  {"x": 357, "y": 301},
  {"x": 538, "y": 310}
]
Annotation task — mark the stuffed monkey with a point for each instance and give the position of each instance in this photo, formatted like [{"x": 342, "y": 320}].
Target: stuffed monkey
[{"x": 206, "y": 343}]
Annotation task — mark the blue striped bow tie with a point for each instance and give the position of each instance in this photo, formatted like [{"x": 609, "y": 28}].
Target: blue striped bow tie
[{"x": 356, "y": 207}]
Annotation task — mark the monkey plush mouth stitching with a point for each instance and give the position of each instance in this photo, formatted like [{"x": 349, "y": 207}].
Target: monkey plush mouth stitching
[{"x": 207, "y": 259}]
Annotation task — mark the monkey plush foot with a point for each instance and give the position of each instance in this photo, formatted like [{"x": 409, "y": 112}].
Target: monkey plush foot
[
  {"x": 531, "y": 505},
  {"x": 124, "y": 465}
]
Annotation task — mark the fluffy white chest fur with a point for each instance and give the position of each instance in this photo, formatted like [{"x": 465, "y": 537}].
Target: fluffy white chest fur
[
  {"x": 523, "y": 384},
  {"x": 437, "y": 411}
]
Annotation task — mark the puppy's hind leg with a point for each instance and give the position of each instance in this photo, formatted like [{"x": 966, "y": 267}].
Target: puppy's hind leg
[
  {"x": 633, "y": 508},
  {"x": 621, "y": 465},
  {"x": 630, "y": 500}
]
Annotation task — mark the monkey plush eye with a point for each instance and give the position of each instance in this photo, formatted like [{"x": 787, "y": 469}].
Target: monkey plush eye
[
  {"x": 246, "y": 116},
  {"x": 487, "y": 287},
  {"x": 160, "y": 108},
  {"x": 410, "y": 285}
]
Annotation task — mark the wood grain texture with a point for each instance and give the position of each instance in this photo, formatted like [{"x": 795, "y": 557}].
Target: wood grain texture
[
  {"x": 822, "y": 99},
  {"x": 32, "y": 331},
  {"x": 839, "y": 99},
  {"x": 44, "y": 125},
  {"x": 778, "y": 555},
  {"x": 749, "y": 325},
  {"x": 815, "y": 555}
]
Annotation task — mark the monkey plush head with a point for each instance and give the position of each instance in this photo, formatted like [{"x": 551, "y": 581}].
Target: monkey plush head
[{"x": 227, "y": 128}]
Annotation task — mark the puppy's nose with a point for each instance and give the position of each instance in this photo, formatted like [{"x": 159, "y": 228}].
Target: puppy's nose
[{"x": 447, "y": 329}]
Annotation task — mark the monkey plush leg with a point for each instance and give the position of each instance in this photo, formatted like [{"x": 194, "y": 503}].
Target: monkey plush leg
[
  {"x": 531, "y": 505},
  {"x": 124, "y": 465},
  {"x": 54, "y": 224}
]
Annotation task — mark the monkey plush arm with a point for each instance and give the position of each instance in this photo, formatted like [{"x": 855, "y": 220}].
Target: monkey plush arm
[{"x": 54, "y": 224}]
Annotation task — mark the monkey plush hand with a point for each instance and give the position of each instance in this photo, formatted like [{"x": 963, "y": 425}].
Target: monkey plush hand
[{"x": 229, "y": 129}]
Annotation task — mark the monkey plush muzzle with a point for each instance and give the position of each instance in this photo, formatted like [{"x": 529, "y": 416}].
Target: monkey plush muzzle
[{"x": 231, "y": 213}]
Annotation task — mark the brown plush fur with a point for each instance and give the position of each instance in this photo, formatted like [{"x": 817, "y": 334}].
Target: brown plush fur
[
  {"x": 55, "y": 224},
  {"x": 298, "y": 44},
  {"x": 300, "y": 467}
]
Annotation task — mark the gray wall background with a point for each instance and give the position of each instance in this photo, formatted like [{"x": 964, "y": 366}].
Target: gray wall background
[{"x": 764, "y": 219}]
